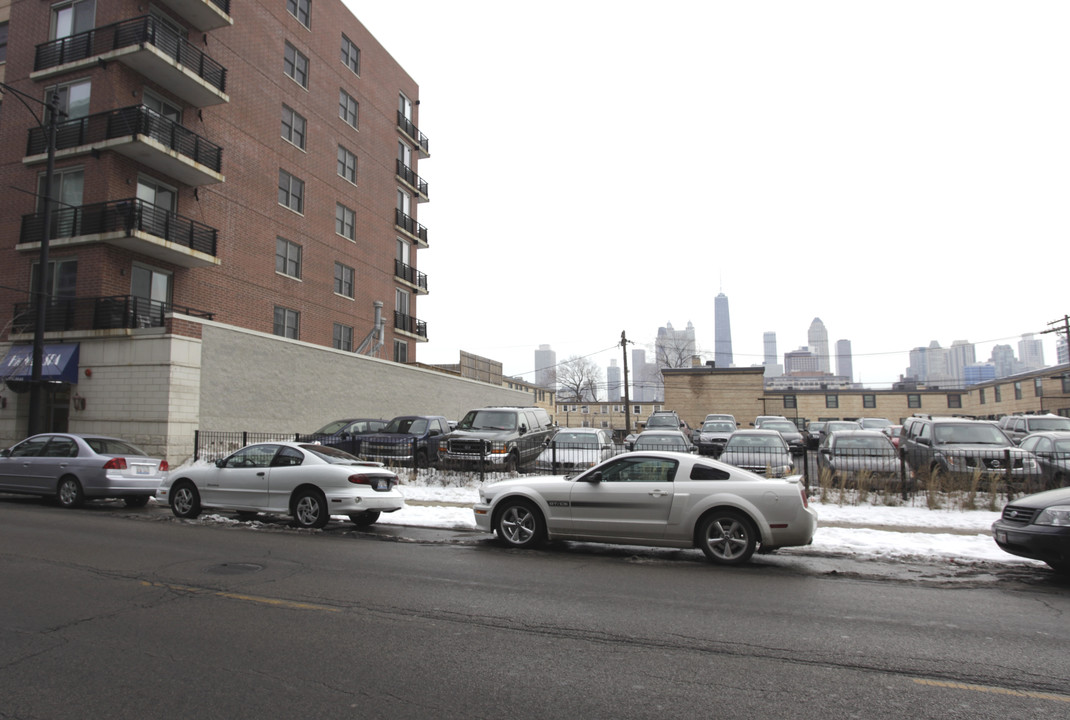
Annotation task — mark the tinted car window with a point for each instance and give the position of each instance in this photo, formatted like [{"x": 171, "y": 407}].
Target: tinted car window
[
  {"x": 706, "y": 472},
  {"x": 60, "y": 447},
  {"x": 640, "y": 470},
  {"x": 288, "y": 457},
  {"x": 29, "y": 448},
  {"x": 111, "y": 446}
]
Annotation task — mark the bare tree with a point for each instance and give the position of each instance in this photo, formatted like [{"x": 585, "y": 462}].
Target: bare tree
[{"x": 578, "y": 378}]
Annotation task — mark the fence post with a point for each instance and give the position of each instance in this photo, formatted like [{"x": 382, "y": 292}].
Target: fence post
[
  {"x": 903, "y": 473},
  {"x": 196, "y": 445},
  {"x": 553, "y": 458},
  {"x": 1007, "y": 473}
]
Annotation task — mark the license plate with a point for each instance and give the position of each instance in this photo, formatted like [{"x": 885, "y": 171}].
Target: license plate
[
  {"x": 143, "y": 469},
  {"x": 382, "y": 485}
]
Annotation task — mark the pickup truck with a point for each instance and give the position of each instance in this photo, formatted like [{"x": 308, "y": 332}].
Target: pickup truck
[{"x": 410, "y": 440}]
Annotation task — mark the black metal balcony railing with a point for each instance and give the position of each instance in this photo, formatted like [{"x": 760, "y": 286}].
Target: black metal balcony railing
[
  {"x": 410, "y": 274},
  {"x": 408, "y": 175},
  {"x": 135, "y": 120},
  {"x": 223, "y": 5},
  {"x": 138, "y": 31},
  {"x": 121, "y": 216},
  {"x": 409, "y": 324},
  {"x": 99, "y": 313},
  {"x": 410, "y": 226},
  {"x": 413, "y": 132}
]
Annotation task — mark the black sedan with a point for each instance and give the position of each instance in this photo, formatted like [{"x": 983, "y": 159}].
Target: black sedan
[{"x": 1037, "y": 527}]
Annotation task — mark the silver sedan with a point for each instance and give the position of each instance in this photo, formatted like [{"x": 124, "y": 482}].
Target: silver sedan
[
  {"x": 75, "y": 467},
  {"x": 663, "y": 499}
]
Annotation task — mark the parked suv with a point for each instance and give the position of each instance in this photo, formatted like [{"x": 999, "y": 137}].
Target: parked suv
[
  {"x": 1018, "y": 426},
  {"x": 961, "y": 448},
  {"x": 505, "y": 437},
  {"x": 667, "y": 420},
  {"x": 411, "y": 440}
]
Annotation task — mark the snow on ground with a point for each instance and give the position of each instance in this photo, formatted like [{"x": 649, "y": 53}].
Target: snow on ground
[{"x": 886, "y": 532}]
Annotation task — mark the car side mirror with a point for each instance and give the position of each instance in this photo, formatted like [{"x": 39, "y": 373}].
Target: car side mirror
[
  {"x": 595, "y": 477},
  {"x": 220, "y": 462},
  {"x": 6, "y": 452}
]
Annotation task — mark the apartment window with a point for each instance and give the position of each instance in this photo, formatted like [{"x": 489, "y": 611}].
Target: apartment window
[
  {"x": 405, "y": 107},
  {"x": 3, "y": 42},
  {"x": 295, "y": 65},
  {"x": 997, "y": 393},
  {"x": 913, "y": 401},
  {"x": 291, "y": 192},
  {"x": 293, "y": 127},
  {"x": 405, "y": 154},
  {"x": 585, "y": 409},
  {"x": 287, "y": 257},
  {"x": 343, "y": 280},
  {"x": 1038, "y": 387},
  {"x": 869, "y": 401},
  {"x": 344, "y": 220},
  {"x": 72, "y": 18},
  {"x": 302, "y": 10},
  {"x": 981, "y": 395},
  {"x": 401, "y": 351},
  {"x": 637, "y": 410},
  {"x": 67, "y": 186},
  {"x": 1065, "y": 382},
  {"x": 790, "y": 401},
  {"x": 347, "y": 107},
  {"x": 832, "y": 401},
  {"x": 347, "y": 165},
  {"x": 401, "y": 301},
  {"x": 954, "y": 400},
  {"x": 73, "y": 99},
  {"x": 605, "y": 409},
  {"x": 60, "y": 279},
  {"x": 343, "y": 337},
  {"x": 350, "y": 55},
  {"x": 287, "y": 322},
  {"x": 1018, "y": 390}
]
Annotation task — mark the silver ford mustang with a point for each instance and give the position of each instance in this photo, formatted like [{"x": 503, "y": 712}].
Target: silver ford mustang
[{"x": 663, "y": 499}]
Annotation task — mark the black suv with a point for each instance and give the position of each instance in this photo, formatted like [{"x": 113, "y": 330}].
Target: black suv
[
  {"x": 410, "y": 440},
  {"x": 506, "y": 438},
  {"x": 963, "y": 448}
]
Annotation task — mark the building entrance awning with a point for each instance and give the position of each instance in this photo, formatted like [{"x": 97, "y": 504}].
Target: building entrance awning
[{"x": 59, "y": 363}]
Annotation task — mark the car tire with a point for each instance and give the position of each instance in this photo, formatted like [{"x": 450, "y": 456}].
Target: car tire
[
  {"x": 136, "y": 501},
  {"x": 512, "y": 463},
  {"x": 727, "y": 537},
  {"x": 69, "y": 493},
  {"x": 364, "y": 519},
  {"x": 421, "y": 459},
  {"x": 519, "y": 524},
  {"x": 185, "y": 500},
  {"x": 1063, "y": 567},
  {"x": 310, "y": 509}
]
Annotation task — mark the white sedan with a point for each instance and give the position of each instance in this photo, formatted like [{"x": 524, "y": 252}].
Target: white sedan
[
  {"x": 662, "y": 499},
  {"x": 307, "y": 481}
]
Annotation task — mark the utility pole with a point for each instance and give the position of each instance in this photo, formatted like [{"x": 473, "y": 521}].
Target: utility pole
[
  {"x": 1064, "y": 330},
  {"x": 627, "y": 399}
]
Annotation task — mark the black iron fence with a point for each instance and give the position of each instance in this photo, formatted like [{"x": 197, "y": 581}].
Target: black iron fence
[
  {"x": 99, "y": 313},
  {"x": 1005, "y": 470}
]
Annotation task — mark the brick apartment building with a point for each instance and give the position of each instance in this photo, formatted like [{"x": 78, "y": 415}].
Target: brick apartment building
[{"x": 225, "y": 173}]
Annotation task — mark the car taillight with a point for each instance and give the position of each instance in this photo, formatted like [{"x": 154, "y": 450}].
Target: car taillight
[
  {"x": 368, "y": 479},
  {"x": 806, "y": 501},
  {"x": 164, "y": 467},
  {"x": 115, "y": 464}
]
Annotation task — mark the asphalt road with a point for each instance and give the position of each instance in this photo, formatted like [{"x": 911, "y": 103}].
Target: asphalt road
[{"x": 115, "y": 613}]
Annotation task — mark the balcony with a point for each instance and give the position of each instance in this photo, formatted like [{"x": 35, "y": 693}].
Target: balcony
[
  {"x": 99, "y": 313},
  {"x": 131, "y": 224},
  {"x": 413, "y": 133},
  {"x": 410, "y": 227},
  {"x": 140, "y": 134},
  {"x": 147, "y": 46},
  {"x": 411, "y": 277},
  {"x": 414, "y": 181},
  {"x": 203, "y": 14},
  {"x": 408, "y": 325}
]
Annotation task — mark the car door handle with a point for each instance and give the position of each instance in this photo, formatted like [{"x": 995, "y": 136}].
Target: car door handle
[
  {"x": 260, "y": 474},
  {"x": 659, "y": 493}
]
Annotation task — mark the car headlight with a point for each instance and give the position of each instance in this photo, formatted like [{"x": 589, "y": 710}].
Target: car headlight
[
  {"x": 956, "y": 461},
  {"x": 1057, "y": 515}
]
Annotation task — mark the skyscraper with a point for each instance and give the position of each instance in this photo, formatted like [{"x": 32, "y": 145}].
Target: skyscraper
[
  {"x": 844, "y": 363},
  {"x": 1031, "y": 352},
  {"x": 769, "y": 359},
  {"x": 722, "y": 332},
  {"x": 818, "y": 341},
  {"x": 674, "y": 348},
  {"x": 614, "y": 386},
  {"x": 545, "y": 367}
]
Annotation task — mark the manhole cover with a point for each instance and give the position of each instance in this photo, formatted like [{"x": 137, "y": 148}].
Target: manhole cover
[{"x": 233, "y": 568}]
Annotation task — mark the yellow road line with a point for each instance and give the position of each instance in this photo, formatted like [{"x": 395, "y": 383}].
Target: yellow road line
[
  {"x": 246, "y": 598},
  {"x": 993, "y": 690}
]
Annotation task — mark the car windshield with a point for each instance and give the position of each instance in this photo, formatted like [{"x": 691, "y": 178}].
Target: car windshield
[
  {"x": 332, "y": 428},
  {"x": 659, "y": 442},
  {"x": 488, "y": 420},
  {"x": 779, "y": 426},
  {"x": 111, "y": 446},
  {"x": 406, "y": 426},
  {"x": 1062, "y": 446},
  {"x": 849, "y": 445},
  {"x": 875, "y": 423},
  {"x": 718, "y": 426},
  {"x": 332, "y": 455},
  {"x": 667, "y": 421},
  {"x": 1049, "y": 424},
  {"x": 979, "y": 434},
  {"x": 834, "y": 426},
  {"x": 739, "y": 442},
  {"x": 575, "y": 439}
]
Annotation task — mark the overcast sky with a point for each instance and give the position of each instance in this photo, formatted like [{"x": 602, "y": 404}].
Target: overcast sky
[{"x": 898, "y": 169}]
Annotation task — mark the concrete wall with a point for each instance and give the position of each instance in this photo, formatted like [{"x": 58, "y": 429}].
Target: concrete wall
[{"x": 258, "y": 382}]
